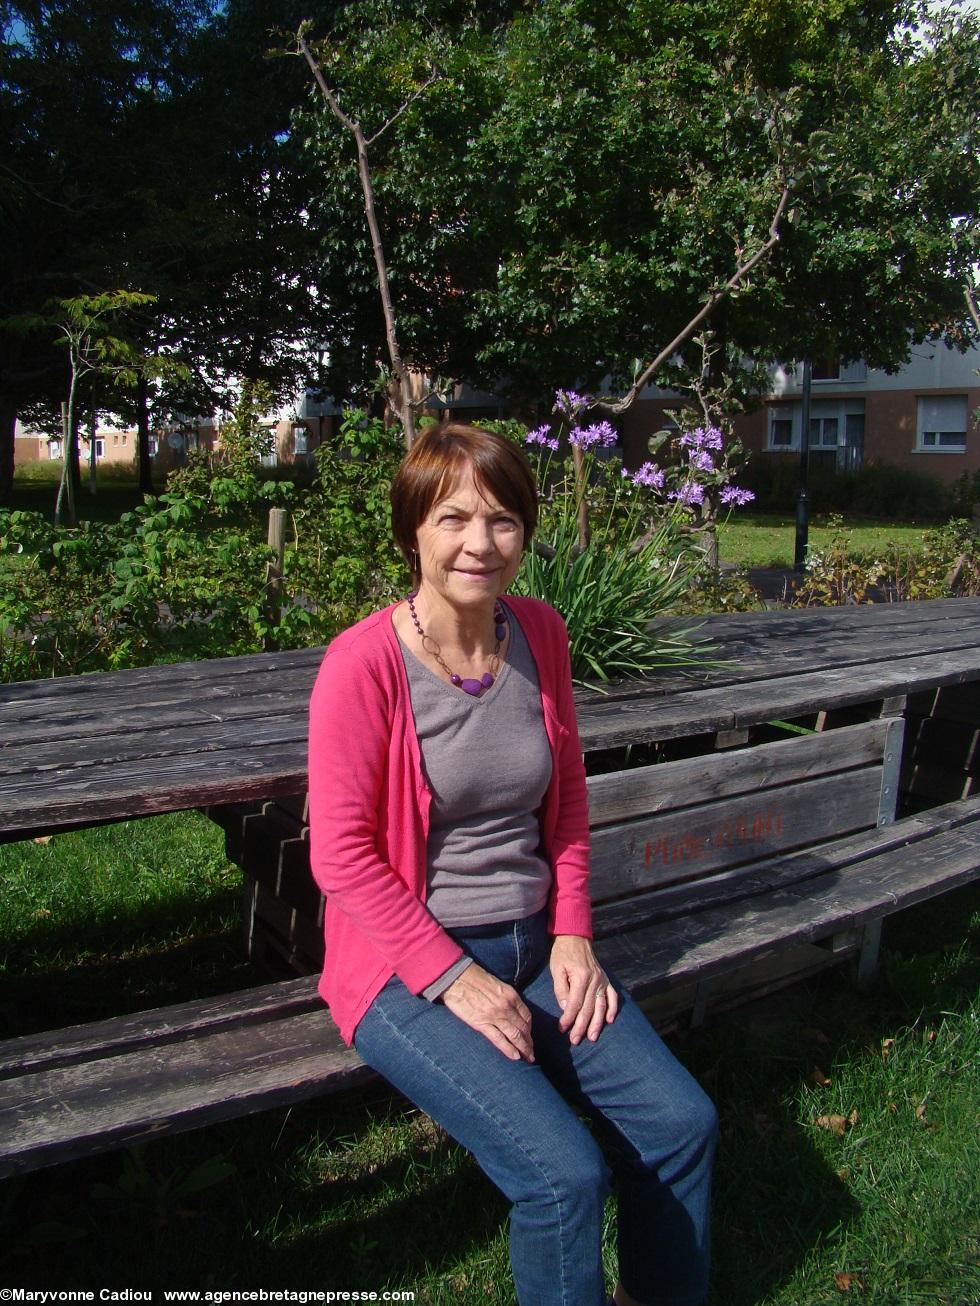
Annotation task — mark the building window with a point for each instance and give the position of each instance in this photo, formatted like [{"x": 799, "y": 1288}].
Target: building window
[
  {"x": 124, "y": 439},
  {"x": 942, "y": 424},
  {"x": 780, "y": 428},
  {"x": 836, "y": 433},
  {"x": 301, "y": 440},
  {"x": 832, "y": 369},
  {"x": 823, "y": 432}
]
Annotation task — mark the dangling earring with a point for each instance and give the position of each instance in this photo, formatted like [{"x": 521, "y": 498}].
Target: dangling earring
[{"x": 414, "y": 562}]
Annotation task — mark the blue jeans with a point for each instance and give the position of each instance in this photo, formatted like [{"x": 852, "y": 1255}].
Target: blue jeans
[{"x": 522, "y": 1124}]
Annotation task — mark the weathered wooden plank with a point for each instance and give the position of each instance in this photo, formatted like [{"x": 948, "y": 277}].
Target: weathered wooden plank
[
  {"x": 75, "y": 1110},
  {"x": 774, "y": 643},
  {"x": 709, "y": 942},
  {"x": 136, "y": 1097},
  {"x": 619, "y": 795},
  {"x": 958, "y": 703},
  {"x": 157, "y": 1027},
  {"x": 193, "y": 713},
  {"x": 163, "y": 785},
  {"x": 668, "y": 1007},
  {"x": 694, "y": 842},
  {"x": 666, "y": 902},
  {"x": 176, "y": 678},
  {"x": 110, "y": 747},
  {"x": 696, "y": 711},
  {"x": 939, "y": 784}
]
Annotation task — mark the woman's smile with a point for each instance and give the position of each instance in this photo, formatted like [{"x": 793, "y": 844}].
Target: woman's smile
[{"x": 468, "y": 543}]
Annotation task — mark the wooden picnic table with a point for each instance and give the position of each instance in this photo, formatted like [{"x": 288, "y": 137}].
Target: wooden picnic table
[
  {"x": 716, "y": 878},
  {"x": 81, "y": 750}
]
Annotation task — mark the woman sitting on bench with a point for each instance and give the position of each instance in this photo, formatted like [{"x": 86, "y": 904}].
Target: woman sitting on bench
[{"x": 449, "y": 832}]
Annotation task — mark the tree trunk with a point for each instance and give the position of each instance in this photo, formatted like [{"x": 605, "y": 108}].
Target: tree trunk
[
  {"x": 581, "y": 497},
  {"x": 144, "y": 462},
  {"x": 8, "y": 425},
  {"x": 66, "y": 504},
  {"x": 709, "y": 535},
  {"x": 93, "y": 424}
]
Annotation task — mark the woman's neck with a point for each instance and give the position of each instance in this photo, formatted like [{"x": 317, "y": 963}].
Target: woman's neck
[{"x": 468, "y": 630}]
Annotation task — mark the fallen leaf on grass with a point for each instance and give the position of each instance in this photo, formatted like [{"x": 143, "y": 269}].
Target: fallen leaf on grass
[
  {"x": 886, "y": 1046},
  {"x": 844, "y": 1282},
  {"x": 920, "y": 1110},
  {"x": 818, "y": 1079},
  {"x": 43, "y": 838},
  {"x": 837, "y": 1124},
  {"x": 893, "y": 1108}
]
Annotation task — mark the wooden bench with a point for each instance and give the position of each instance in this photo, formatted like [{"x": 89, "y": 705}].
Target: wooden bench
[{"x": 715, "y": 878}]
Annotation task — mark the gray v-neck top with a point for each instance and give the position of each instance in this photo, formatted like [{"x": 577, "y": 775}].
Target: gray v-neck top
[{"x": 488, "y": 765}]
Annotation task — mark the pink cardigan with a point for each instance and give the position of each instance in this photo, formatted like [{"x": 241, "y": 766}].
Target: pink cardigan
[{"x": 369, "y": 812}]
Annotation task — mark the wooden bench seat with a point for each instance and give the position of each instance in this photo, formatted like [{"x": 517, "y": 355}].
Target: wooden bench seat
[{"x": 785, "y": 855}]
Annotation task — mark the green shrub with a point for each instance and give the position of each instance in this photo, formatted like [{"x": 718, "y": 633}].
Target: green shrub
[
  {"x": 948, "y": 564},
  {"x": 877, "y": 490}
]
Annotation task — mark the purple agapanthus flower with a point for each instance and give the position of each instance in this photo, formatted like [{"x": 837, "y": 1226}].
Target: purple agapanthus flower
[
  {"x": 542, "y": 435},
  {"x": 569, "y": 403},
  {"x": 688, "y": 494},
  {"x": 600, "y": 434},
  {"x": 703, "y": 437},
  {"x": 649, "y": 475},
  {"x": 701, "y": 460},
  {"x": 735, "y": 496}
]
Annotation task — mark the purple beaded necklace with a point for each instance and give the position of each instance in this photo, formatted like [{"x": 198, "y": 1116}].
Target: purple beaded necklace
[{"x": 468, "y": 686}]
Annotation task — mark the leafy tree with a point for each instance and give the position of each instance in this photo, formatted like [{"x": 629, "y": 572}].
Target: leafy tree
[
  {"x": 85, "y": 326},
  {"x": 148, "y": 148},
  {"x": 86, "y": 87},
  {"x": 583, "y": 179}
]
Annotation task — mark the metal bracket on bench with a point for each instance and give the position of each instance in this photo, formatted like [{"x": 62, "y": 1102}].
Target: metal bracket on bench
[{"x": 891, "y": 771}]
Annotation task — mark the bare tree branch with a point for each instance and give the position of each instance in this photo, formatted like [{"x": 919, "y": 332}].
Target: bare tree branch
[
  {"x": 399, "y": 392},
  {"x": 716, "y": 296},
  {"x": 970, "y": 295},
  {"x": 433, "y": 76}
]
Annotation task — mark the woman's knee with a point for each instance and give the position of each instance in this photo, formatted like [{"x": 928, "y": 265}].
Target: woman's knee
[
  {"x": 569, "y": 1176},
  {"x": 703, "y": 1119}
]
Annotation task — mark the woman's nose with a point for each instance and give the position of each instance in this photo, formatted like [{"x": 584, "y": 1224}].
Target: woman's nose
[{"x": 479, "y": 537}]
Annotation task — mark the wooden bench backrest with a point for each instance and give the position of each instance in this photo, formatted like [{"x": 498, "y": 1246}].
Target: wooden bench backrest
[
  {"x": 652, "y": 826},
  {"x": 660, "y": 824}
]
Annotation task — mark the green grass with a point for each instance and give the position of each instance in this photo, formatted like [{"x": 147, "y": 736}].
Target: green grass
[
  {"x": 362, "y": 1192},
  {"x": 765, "y": 540},
  {"x": 116, "y": 919},
  {"x": 36, "y": 490}
]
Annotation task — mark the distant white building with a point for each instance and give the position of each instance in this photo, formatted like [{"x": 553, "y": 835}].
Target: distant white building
[{"x": 922, "y": 417}]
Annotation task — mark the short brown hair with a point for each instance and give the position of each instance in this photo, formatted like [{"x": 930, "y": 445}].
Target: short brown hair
[{"x": 433, "y": 464}]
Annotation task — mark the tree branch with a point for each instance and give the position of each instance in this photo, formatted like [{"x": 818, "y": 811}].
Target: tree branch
[
  {"x": 401, "y": 401},
  {"x": 433, "y": 76},
  {"x": 737, "y": 277},
  {"x": 971, "y": 304}
]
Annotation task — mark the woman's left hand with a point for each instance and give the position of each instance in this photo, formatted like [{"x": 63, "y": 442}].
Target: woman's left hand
[{"x": 587, "y": 999}]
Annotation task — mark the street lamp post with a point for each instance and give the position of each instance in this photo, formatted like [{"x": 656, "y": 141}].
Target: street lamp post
[{"x": 802, "y": 502}]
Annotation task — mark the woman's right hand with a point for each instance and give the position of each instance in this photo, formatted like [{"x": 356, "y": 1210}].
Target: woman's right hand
[{"x": 494, "y": 1009}]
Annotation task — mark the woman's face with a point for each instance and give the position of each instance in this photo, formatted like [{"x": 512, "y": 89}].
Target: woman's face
[{"x": 469, "y": 546}]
